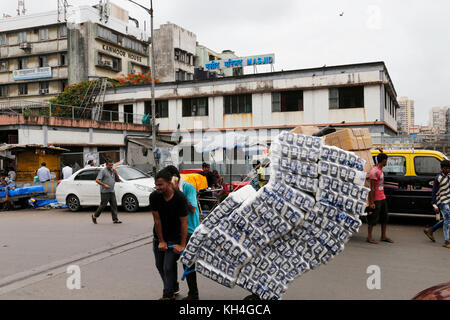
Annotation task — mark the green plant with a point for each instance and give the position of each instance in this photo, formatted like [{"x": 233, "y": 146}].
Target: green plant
[{"x": 26, "y": 112}]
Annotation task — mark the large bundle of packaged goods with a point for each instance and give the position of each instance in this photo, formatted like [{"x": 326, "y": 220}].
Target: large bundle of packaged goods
[
  {"x": 263, "y": 240},
  {"x": 357, "y": 140}
]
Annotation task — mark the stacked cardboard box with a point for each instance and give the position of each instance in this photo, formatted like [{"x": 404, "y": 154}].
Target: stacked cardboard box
[
  {"x": 357, "y": 140},
  {"x": 307, "y": 130},
  {"x": 366, "y": 155},
  {"x": 350, "y": 139}
]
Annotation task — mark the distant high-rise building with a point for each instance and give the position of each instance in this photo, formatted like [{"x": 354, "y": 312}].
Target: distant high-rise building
[
  {"x": 405, "y": 115},
  {"x": 438, "y": 118}
]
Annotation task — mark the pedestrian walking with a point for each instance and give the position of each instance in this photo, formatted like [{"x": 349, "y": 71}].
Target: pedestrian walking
[
  {"x": 67, "y": 171},
  {"x": 193, "y": 218},
  {"x": 429, "y": 232},
  {"x": 378, "y": 209},
  {"x": 43, "y": 173},
  {"x": 107, "y": 178},
  {"x": 254, "y": 176},
  {"x": 170, "y": 210},
  {"x": 441, "y": 201}
]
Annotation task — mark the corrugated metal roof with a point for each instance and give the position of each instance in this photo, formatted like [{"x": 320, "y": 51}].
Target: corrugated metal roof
[{"x": 8, "y": 147}]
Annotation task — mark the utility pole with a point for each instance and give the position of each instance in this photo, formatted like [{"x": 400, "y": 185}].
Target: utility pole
[
  {"x": 152, "y": 70},
  {"x": 153, "y": 90}
]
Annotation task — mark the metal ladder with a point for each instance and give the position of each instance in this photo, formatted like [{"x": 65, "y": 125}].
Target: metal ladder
[{"x": 94, "y": 99}]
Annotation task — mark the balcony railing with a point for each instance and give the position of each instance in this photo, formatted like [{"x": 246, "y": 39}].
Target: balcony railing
[{"x": 34, "y": 108}]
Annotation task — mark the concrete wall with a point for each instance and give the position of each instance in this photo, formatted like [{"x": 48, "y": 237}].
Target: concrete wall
[
  {"x": 167, "y": 38},
  {"x": 78, "y": 54},
  {"x": 315, "y": 86}
]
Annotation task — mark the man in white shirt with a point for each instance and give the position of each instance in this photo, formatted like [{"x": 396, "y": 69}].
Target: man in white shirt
[
  {"x": 12, "y": 175},
  {"x": 43, "y": 173},
  {"x": 67, "y": 171}
]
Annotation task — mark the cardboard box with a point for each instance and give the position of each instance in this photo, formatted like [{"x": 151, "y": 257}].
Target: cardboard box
[
  {"x": 366, "y": 155},
  {"x": 350, "y": 139},
  {"x": 307, "y": 130}
]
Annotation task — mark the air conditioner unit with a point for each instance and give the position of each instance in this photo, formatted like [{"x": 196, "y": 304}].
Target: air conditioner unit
[
  {"x": 105, "y": 63},
  {"x": 25, "y": 45},
  {"x": 43, "y": 91}
]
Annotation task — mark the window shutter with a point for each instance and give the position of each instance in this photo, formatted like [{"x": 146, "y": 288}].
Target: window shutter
[
  {"x": 276, "y": 102},
  {"x": 333, "y": 98}
]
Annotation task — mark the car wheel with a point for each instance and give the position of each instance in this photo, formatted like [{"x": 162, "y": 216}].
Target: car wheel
[
  {"x": 130, "y": 203},
  {"x": 73, "y": 203}
]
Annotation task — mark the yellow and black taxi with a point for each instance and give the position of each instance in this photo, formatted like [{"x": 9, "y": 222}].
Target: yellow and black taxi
[{"x": 408, "y": 179}]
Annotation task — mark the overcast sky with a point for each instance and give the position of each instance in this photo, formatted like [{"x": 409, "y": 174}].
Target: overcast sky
[{"x": 410, "y": 36}]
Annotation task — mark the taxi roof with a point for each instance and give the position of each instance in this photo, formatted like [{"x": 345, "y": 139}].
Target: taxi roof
[{"x": 409, "y": 151}]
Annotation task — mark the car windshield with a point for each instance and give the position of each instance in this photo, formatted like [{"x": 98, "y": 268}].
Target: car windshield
[{"x": 128, "y": 173}]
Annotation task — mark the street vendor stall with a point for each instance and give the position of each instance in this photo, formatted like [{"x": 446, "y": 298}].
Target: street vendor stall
[{"x": 30, "y": 156}]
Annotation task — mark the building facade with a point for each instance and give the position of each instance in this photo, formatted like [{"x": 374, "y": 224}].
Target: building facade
[
  {"x": 438, "y": 119},
  {"x": 40, "y": 53},
  {"x": 175, "y": 49},
  {"x": 358, "y": 95},
  {"x": 405, "y": 115}
]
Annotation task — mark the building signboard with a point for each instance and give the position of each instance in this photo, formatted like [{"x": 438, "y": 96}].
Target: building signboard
[
  {"x": 241, "y": 62},
  {"x": 121, "y": 52},
  {"x": 33, "y": 73}
]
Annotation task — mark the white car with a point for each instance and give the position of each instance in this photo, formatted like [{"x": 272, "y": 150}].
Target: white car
[{"x": 133, "y": 190}]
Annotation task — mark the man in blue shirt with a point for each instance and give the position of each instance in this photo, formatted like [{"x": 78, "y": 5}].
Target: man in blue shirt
[{"x": 193, "y": 222}]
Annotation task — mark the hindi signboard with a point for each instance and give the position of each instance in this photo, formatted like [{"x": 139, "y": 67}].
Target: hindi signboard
[
  {"x": 33, "y": 73},
  {"x": 241, "y": 62}
]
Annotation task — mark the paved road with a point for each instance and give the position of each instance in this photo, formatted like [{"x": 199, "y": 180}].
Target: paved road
[{"x": 116, "y": 261}]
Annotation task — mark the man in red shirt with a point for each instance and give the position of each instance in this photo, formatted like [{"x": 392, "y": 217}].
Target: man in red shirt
[{"x": 378, "y": 210}]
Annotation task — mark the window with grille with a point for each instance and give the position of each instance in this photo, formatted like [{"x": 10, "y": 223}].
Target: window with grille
[
  {"x": 3, "y": 91},
  {"x": 22, "y": 37},
  {"x": 195, "y": 107},
  {"x": 287, "y": 101},
  {"x": 4, "y": 65},
  {"x": 63, "y": 31},
  {"x": 161, "y": 108},
  {"x": 346, "y": 97},
  {"x": 23, "y": 89},
  {"x": 43, "y": 61},
  {"x": 22, "y": 63},
  {"x": 43, "y": 34},
  {"x": 239, "y": 103},
  {"x": 3, "y": 40}
]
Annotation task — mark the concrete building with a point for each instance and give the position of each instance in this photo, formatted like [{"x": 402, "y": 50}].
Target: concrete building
[
  {"x": 205, "y": 55},
  {"x": 41, "y": 53},
  {"x": 438, "y": 118},
  {"x": 357, "y": 95},
  {"x": 405, "y": 115},
  {"x": 175, "y": 49},
  {"x": 447, "y": 124}
]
